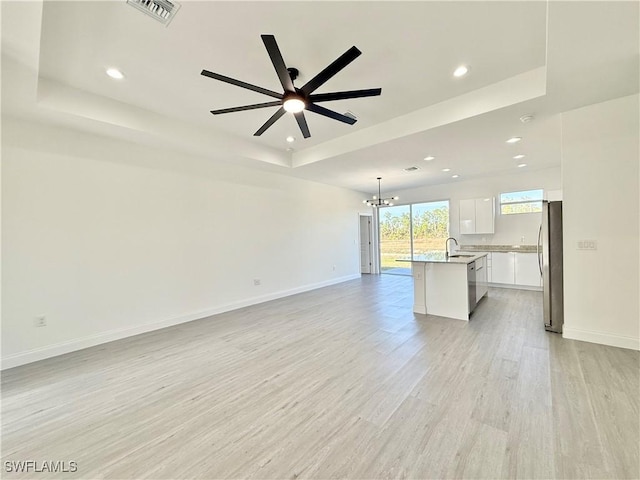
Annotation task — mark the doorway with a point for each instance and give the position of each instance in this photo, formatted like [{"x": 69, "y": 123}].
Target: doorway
[
  {"x": 395, "y": 239},
  {"x": 366, "y": 244}
]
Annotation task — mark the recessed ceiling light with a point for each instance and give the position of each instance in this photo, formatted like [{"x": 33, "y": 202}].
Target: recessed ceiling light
[
  {"x": 514, "y": 139},
  {"x": 461, "y": 71},
  {"x": 115, "y": 73},
  {"x": 429, "y": 158},
  {"x": 446, "y": 169},
  {"x": 518, "y": 157},
  {"x": 520, "y": 165},
  {"x": 455, "y": 176},
  {"x": 291, "y": 139}
]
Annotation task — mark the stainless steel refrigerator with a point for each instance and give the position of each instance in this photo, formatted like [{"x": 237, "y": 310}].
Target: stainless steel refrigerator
[{"x": 550, "y": 263}]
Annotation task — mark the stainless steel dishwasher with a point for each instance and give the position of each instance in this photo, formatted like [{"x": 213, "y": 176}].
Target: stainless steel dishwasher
[{"x": 471, "y": 285}]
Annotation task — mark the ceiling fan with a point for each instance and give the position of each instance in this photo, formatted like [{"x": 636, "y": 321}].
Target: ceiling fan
[{"x": 294, "y": 99}]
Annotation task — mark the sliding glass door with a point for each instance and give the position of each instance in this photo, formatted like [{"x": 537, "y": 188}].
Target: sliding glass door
[
  {"x": 408, "y": 230},
  {"x": 430, "y": 226},
  {"x": 395, "y": 237}
]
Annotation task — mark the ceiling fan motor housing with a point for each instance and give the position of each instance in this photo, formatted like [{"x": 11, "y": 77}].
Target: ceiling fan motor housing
[{"x": 293, "y": 73}]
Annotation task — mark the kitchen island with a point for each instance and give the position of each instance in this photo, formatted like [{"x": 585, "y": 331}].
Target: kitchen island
[{"x": 448, "y": 286}]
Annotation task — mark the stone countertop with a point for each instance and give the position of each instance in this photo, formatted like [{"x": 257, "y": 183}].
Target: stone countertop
[
  {"x": 440, "y": 257},
  {"x": 498, "y": 248}
]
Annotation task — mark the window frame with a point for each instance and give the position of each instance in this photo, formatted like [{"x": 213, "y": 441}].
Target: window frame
[{"x": 532, "y": 202}]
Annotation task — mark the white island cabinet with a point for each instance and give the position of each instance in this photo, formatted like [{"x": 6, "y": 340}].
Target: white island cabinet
[
  {"x": 482, "y": 283},
  {"x": 448, "y": 286}
]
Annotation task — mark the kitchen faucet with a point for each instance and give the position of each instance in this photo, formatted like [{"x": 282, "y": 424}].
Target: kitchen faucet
[{"x": 446, "y": 245}]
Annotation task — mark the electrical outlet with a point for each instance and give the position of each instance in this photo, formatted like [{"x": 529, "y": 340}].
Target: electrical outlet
[
  {"x": 40, "y": 321},
  {"x": 522, "y": 239},
  {"x": 256, "y": 281},
  {"x": 587, "y": 245}
]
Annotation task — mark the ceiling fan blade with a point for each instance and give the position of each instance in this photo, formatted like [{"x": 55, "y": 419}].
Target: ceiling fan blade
[
  {"x": 238, "y": 83},
  {"x": 342, "y": 61},
  {"x": 278, "y": 62},
  {"x": 270, "y": 122},
  {"x": 302, "y": 123},
  {"x": 330, "y": 113},
  {"x": 246, "y": 107},
  {"x": 327, "y": 97}
]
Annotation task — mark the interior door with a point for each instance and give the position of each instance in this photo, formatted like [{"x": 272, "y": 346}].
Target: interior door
[{"x": 365, "y": 244}]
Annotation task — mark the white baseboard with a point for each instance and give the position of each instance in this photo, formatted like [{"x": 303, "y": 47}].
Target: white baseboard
[
  {"x": 419, "y": 309},
  {"x": 515, "y": 287},
  {"x": 49, "y": 351},
  {"x": 602, "y": 338}
]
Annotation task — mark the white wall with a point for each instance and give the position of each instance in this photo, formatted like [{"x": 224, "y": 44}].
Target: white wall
[
  {"x": 600, "y": 173},
  {"x": 509, "y": 229},
  {"x": 109, "y": 239}
]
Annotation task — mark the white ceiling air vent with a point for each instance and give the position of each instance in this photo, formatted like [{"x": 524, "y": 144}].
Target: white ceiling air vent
[
  {"x": 411, "y": 169},
  {"x": 162, "y": 10}
]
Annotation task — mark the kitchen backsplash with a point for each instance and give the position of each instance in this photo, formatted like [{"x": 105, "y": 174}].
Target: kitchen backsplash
[{"x": 498, "y": 248}]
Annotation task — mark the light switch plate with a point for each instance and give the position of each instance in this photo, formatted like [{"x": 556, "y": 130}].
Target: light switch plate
[{"x": 587, "y": 245}]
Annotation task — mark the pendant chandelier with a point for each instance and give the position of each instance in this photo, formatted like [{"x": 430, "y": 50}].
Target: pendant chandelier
[{"x": 378, "y": 201}]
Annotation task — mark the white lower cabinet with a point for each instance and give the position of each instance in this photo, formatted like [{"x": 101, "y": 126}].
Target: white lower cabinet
[
  {"x": 515, "y": 268},
  {"x": 503, "y": 268},
  {"x": 527, "y": 271}
]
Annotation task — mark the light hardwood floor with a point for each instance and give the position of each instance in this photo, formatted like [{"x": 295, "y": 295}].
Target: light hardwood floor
[{"x": 340, "y": 382}]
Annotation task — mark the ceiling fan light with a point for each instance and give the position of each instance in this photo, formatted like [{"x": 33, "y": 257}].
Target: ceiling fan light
[{"x": 294, "y": 105}]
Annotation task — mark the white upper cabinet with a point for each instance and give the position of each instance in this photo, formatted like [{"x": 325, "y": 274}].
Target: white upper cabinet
[
  {"x": 467, "y": 216},
  {"x": 485, "y": 215},
  {"x": 477, "y": 215}
]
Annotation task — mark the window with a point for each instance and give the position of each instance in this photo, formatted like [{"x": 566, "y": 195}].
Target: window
[
  {"x": 528, "y": 201},
  {"x": 408, "y": 230}
]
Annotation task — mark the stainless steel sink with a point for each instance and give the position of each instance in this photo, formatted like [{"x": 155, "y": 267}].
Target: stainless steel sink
[{"x": 461, "y": 256}]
